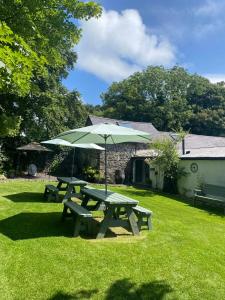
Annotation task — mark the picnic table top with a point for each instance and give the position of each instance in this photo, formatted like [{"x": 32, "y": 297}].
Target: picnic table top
[
  {"x": 72, "y": 180},
  {"x": 110, "y": 197}
]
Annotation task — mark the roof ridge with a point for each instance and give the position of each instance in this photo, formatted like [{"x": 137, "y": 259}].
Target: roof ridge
[{"x": 119, "y": 119}]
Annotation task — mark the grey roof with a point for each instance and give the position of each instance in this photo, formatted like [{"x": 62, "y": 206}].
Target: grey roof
[
  {"x": 195, "y": 141},
  {"x": 203, "y": 146},
  {"x": 142, "y": 126}
]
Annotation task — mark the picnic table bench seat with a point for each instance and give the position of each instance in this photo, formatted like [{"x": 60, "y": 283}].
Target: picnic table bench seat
[
  {"x": 144, "y": 216},
  {"x": 51, "y": 192},
  {"x": 80, "y": 214},
  {"x": 211, "y": 194}
]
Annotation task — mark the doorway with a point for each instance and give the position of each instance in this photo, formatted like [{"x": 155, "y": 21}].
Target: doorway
[{"x": 141, "y": 171}]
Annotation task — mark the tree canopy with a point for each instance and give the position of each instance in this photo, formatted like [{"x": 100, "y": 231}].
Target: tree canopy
[
  {"x": 37, "y": 40},
  {"x": 169, "y": 98},
  {"x": 37, "y": 37}
]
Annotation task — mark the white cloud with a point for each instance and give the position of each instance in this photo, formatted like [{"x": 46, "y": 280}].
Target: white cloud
[
  {"x": 214, "y": 78},
  {"x": 203, "y": 29},
  {"x": 118, "y": 44},
  {"x": 211, "y": 8},
  {"x": 210, "y": 17}
]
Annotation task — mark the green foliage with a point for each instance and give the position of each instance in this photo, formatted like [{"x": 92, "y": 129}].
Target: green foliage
[
  {"x": 167, "y": 161},
  {"x": 3, "y": 160},
  {"x": 56, "y": 162},
  {"x": 167, "y": 157},
  {"x": 92, "y": 174},
  {"x": 18, "y": 62},
  {"x": 169, "y": 98},
  {"x": 37, "y": 37},
  {"x": 9, "y": 125}
]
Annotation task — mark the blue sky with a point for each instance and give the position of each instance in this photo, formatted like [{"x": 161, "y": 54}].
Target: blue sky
[{"x": 132, "y": 34}]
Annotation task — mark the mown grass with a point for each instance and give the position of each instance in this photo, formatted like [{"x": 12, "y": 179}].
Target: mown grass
[{"x": 182, "y": 258}]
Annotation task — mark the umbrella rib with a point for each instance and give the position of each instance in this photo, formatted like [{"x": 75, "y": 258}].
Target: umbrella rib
[
  {"x": 144, "y": 137},
  {"x": 80, "y": 137}
]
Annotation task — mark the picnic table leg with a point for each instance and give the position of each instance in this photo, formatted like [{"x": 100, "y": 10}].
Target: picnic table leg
[
  {"x": 105, "y": 223},
  {"x": 45, "y": 193},
  {"x": 64, "y": 213},
  {"x": 85, "y": 201},
  {"x": 68, "y": 194},
  {"x": 132, "y": 221},
  {"x": 74, "y": 189},
  {"x": 149, "y": 223},
  {"x": 59, "y": 185},
  {"x": 77, "y": 226}
]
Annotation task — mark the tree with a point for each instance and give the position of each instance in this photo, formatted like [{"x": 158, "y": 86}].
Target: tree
[{"x": 169, "y": 98}]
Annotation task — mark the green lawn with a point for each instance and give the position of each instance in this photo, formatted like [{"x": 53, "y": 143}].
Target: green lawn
[{"x": 182, "y": 258}]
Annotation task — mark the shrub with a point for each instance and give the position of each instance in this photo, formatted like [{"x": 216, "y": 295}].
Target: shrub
[
  {"x": 92, "y": 174},
  {"x": 167, "y": 159}
]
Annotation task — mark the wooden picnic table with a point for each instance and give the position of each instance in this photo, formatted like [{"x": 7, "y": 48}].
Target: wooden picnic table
[
  {"x": 70, "y": 188},
  {"x": 112, "y": 202}
]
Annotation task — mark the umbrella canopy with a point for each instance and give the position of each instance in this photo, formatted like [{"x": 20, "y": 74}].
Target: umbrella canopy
[
  {"x": 114, "y": 134},
  {"x": 68, "y": 144},
  {"x": 107, "y": 134}
]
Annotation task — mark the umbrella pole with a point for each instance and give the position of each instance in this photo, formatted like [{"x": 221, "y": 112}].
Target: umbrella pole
[
  {"x": 72, "y": 162},
  {"x": 106, "y": 170}
]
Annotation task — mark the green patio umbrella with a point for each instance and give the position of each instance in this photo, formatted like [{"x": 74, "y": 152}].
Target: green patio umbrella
[
  {"x": 107, "y": 134},
  {"x": 61, "y": 142}
]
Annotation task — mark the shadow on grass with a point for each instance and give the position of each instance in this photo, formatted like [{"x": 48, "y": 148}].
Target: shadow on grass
[
  {"x": 34, "y": 225},
  {"x": 27, "y": 197},
  {"x": 83, "y": 294},
  {"x": 122, "y": 290},
  {"x": 37, "y": 225},
  {"x": 210, "y": 209},
  {"x": 137, "y": 192},
  {"x": 125, "y": 289}
]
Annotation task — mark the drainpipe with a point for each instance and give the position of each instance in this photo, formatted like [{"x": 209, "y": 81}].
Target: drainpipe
[{"x": 183, "y": 146}]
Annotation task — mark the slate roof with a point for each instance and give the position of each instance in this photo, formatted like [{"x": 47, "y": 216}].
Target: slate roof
[
  {"x": 196, "y": 141},
  {"x": 203, "y": 146},
  {"x": 143, "y": 126}
]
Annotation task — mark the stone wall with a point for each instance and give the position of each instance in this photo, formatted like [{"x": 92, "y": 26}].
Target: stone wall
[{"x": 119, "y": 158}]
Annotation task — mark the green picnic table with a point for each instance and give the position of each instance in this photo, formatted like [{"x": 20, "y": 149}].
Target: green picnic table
[
  {"x": 70, "y": 188},
  {"x": 112, "y": 202}
]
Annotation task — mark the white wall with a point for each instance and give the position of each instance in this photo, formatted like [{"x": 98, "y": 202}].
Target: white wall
[{"x": 209, "y": 171}]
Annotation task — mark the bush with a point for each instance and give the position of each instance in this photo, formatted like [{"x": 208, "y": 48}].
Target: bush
[
  {"x": 55, "y": 164},
  {"x": 3, "y": 160},
  {"x": 92, "y": 174},
  {"x": 167, "y": 160}
]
